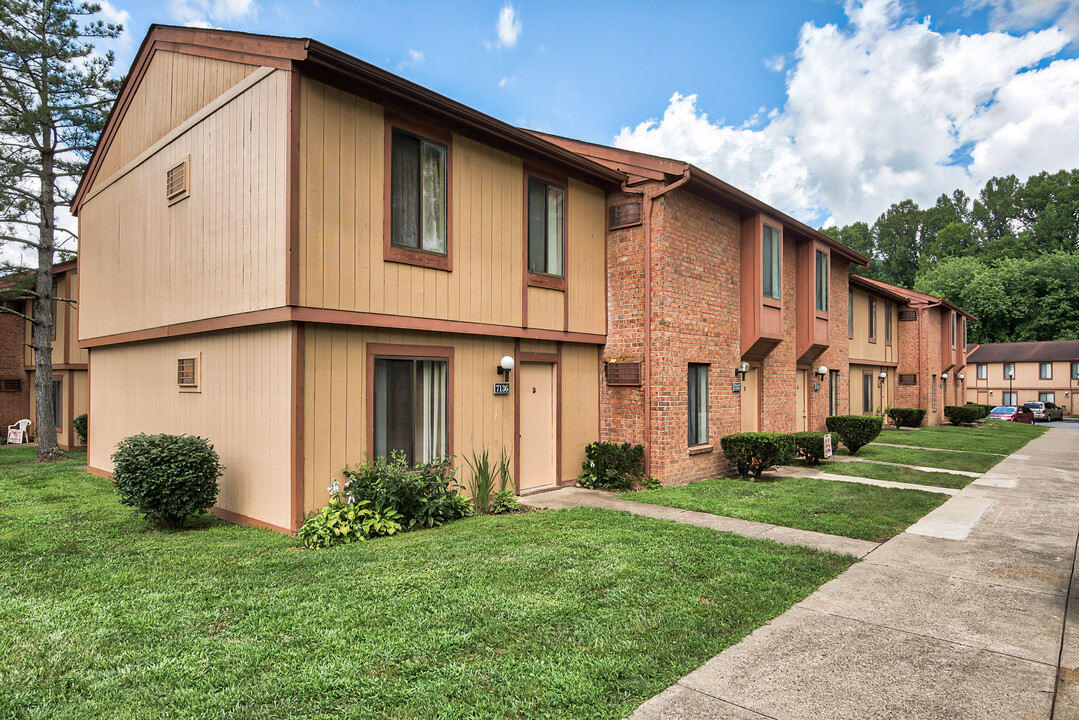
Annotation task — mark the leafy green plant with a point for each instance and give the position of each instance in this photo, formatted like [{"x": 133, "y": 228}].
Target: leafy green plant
[
  {"x": 612, "y": 466},
  {"x": 343, "y": 521},
  {"x": 906, "y": 417},
  {"x": 754, "y": 452},
  {"x": 651, "y": 483},
  {"x": 809, "y": 446},
  {"x": 962, "y": 414},
  {"x": 855, "y": 431},
  {"x": 82, "y": 427},
  {"x": 482, "y": 482},
  {"x": 985, "y": 409},
  {"x": 423, "y": 494},
  {"x": 505, "y": 501},
  {"x": 167, "y": 478}
]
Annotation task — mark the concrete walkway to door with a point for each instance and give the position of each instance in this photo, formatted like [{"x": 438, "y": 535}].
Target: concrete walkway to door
[{"x": 962, "y": 616}]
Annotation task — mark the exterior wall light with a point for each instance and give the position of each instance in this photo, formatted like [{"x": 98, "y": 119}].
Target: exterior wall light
[
  {"x": 822, "y": 371},
  {"x": 505, "y": 366},
  {"x": 881, "y": 378},
  {"x": 943, "y": 379},
  {"x": 740, "y": 371}
]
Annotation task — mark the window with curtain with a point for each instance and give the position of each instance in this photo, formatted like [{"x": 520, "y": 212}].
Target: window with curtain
[
  {"x": 417, "y": 193},
  {"x": 833, "y": 392},
  {"x": 1047, "y": 397},
  {"x": 867, "y": 392},
  {"x": 887, "y": 322},
  {"x": 1010, "y": 398},
  {"x": 772, "y": 277},
  {"x": 872, "y": 318},
  {"x": 983, "y": 371},
  {"x": 850, "y": 314},
  {"x": 1045, "y": 371},
  {"x": 822, "y": 281},
  {"x": 1009, "y": 370},
  {"x": 698, "y": 404},
  {"x": 411, "y": 402},
  {"x": 546, "y": 225}
]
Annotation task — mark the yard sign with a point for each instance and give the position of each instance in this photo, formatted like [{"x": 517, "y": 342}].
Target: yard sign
[{"x": 828, "y": 445}]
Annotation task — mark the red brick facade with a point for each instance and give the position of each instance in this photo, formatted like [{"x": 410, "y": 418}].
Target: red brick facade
[{"x": 14, "y": 405}]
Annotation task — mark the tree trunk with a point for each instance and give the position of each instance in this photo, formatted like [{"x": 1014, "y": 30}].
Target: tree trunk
[{"x": 47, "y": 446}]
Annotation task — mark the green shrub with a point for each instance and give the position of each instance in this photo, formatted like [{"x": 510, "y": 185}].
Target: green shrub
[
  {"x": 82, "y": 427},
  {"x": 167, "y": 478},
  {"x": 906, "y": 417},
  {"x": 985, "y": 409},
  {"x": 754, "y": 452},
  {"x": 343, "y": 522},
  {"x": 422, "y": 494},
  {"x": 505, "y": 501},
  {"x": 809, "y": 446},
  {"x": 960, "y": 414},
  {"x": 612, "y": 466},
  {"x": 855, "y": 431},
  {"x": 651, "y": 483},
  {"x": 482, "y": 482}
]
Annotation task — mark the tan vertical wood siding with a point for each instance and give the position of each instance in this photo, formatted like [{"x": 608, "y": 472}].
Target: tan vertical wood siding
[
  {"x": 342, "y": 179},
  {"x": 222, "y": 250},
  {"x": 580, "y": 405},
  {"x": 173, "y": 89},
  {"x": 242, "y": 408}
]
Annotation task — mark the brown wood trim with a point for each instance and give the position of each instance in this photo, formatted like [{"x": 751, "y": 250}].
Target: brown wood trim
[
  {"x": 89, "y": 407},
  {"x": 299, "y": 349},
  {"x": 98, "y": 472},
  {"x": 224, "y": 53},
  {"x": 374, "y": 350},
  {"x": 551, "y": 282},
  {"x": 61, "y": 366},
  {"x": 409, "y": 256},
  {"x": 62, "y": 446},
  {"x": 517, "y": 421},
  {"x": 223, "y": 322},
  {"x": 292, "y": 201},
  {"x": 69, "y": 425},
  {"x": 67, "y": 322},
  {"x": 239, "y": 519},
  {"x": 558, "y": 418},
  {"x": 524, "y": 256},
  {"x": 539, "y": 357},
  {"x": 866, "y": 361}
]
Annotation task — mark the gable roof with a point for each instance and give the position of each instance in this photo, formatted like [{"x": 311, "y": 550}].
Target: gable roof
[
  {"x": 326, "y": 64},
  {"x": 642, "y": 167},
  {"x": 912, "y": 296},
  {"x": 1048, "y": 351}
]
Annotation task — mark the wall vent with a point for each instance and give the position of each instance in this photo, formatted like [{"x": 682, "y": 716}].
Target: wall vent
[
  {"x": 625, "y": 215},
  {"x": 908, "y": 379},
  {"x": 624, "y": 373},
  {"x": 10, "y": 385},
  {"x": 908, "y": 314}
]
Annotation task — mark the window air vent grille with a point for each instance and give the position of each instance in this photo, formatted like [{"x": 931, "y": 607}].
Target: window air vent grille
[
  {"x": 908, "y": 379},
  {"x": 908, "y": 314},
  {"x": 625, "y": 215},
  {"x": 624, "y": 373}
]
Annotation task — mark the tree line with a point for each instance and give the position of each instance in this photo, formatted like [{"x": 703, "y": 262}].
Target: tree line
[{"x": 1010, "y": 256}]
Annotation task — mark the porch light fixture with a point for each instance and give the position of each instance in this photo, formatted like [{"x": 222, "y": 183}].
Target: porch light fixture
[
  {"x": 821, "y": 372},
  {"x": 505, "y": 366},
  {"x": 943, "y": 379},
  {"x": 740, "y": 372},
  {"x": 883, "y": 376}
]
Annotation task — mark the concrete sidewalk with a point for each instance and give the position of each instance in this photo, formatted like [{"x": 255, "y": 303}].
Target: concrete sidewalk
[{"x": 962, "y": 616}]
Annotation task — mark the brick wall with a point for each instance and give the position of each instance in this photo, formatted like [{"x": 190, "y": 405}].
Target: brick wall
[
  {"x": 837, "y": 356},
  {"x": 13, "y": 405}
]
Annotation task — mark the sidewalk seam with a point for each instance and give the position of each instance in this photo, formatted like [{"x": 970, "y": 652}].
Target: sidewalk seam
[{"x": 1063, "y": 630}]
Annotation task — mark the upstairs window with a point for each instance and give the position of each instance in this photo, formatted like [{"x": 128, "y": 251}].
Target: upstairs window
[
  {"x": 417, "y": 193},
  {"x": 1045, "y": 371},
  {"x": 887, "y": 322},
  {"x": 546, "y": 227},
  {"x": 1009, "y": 371},
  {"x": 872, "y": 319},
  {"x": 955, "y": 323},
  {"x": 850, "y": 314},
  {"x": 772, "y": 278},
  {"x": 822, "y": 281},
  {"x": 1075, "y": 371},
  {"x": 983, "y": 371}
]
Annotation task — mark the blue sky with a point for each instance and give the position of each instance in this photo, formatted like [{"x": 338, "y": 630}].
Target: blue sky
[{"x": 829, "y": 110}]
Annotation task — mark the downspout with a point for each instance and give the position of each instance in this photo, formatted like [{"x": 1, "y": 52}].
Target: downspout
[{"x": 649, "y": 195}]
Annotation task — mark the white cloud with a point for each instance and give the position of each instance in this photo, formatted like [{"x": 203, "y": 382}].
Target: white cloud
[
  {"x": 415, "y": 57},
  {"x": 1025, "y": 14},
  {"x": 887, "y": 109},
  {"x": 208, "y": 13},
  {"x": 508, "y": 27}
]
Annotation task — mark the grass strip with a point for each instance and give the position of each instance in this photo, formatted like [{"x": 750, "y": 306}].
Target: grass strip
[
  {"x": 926, "y": 457},
  {"x": 896, "y": 474},
  {"x": 993, "y": 436},
  {"x": 864, "y": 512},
  {"x": 582, "y": 613}
]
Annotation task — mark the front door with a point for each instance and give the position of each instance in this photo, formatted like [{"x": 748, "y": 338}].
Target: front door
[
  {"x": 800, "y": 400},
  {"x": 538, "y": 442},
  {"x": 751, "y": 398}
]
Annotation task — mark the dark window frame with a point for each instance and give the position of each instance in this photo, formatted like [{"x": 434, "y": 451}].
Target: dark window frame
[
  {"x": 771, "y": 262},
  {"x": 821, "y": 262},
  {"x": 696, "y": 392},
  {"x": 872, "y": 319},
  {"x": 542, "y": 278},
  {"x": 981, "y": 371},
  {"x": 887, "y": 323},
  {"x": 1042, "y": 375},
  {"x": 868, "y": 405}
]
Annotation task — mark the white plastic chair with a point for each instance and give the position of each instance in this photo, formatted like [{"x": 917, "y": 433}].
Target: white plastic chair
[{"x": 16, "y": 434}]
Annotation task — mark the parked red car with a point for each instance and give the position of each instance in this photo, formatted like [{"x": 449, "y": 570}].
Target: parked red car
[{"x": 1012, "y": 414}]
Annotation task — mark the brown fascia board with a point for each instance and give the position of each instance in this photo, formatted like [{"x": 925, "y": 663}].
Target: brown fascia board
[
  {"x": 917, "y": 298},
  {"x": 867, "y": 284},
  {"x": 317, "y": 59},
  {"x": 362, "y": 78},
  {"x": 639, "y": 166}
]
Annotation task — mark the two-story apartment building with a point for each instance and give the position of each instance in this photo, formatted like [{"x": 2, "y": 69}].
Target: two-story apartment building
[
  {"x": 1019, "y": 372},
  {"x": 69, "y": 362},
  {"x": 722, "y": 310},
  {"x": 308, "y": 260},
  {"x": 872, "y": 333}
]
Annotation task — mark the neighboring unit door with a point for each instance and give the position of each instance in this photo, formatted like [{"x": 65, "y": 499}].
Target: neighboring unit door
[
  {"x": 750, "y": 398},
  {"x": 538, "y": 442},
  {"x": 800, "y": 399}
]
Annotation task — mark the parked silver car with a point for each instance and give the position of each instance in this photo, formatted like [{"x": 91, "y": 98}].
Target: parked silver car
[{"x": 1045, "y": 411}]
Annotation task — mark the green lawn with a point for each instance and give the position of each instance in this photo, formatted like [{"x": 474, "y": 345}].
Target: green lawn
[
  {"x": 993, "y": 436},
  {"x": 568, "y": 614},
  {"x": 866, "y": 512},
  {"x": 895, "y": 474},
  {"x": 924, "y": 457}
]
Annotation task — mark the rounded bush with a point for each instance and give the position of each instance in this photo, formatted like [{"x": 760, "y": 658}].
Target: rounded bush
[
  {"x": 82, "y": 427},
  {"x": 167, "y": 478},
  {"x": 855, "y": 431},
  {"x": 906, "y": 417},
  {"x": 960, "y": 414},
  {"x": 809, "y": 446},
  {"x": 754, "y": 452},
  {"x": 985, "y": 409}
]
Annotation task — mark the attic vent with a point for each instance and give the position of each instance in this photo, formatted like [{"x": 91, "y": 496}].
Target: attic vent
[
  {"x": 187, "y": 372},
  {"x": 908, "y": 314},
  {"x": 624, "y": 373},
  {"x": 176, "y": 183},
  {"x": 10, "y": 385},
  {"x": 908, "y": 379},
  {"x": 625, "y": 215}
]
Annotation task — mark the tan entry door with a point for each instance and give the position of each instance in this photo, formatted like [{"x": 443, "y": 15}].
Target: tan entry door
[
  {"x": 800, "y": 399},
  {"x": 538, "y": 444},
  {"x": 751, "y": 398}
]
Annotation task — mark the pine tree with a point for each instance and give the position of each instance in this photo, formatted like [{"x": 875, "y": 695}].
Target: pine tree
[{"x": 55, "y": 94}]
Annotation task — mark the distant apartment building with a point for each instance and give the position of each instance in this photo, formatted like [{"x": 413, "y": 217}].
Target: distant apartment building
[{"x": 1019, "y": 372}]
